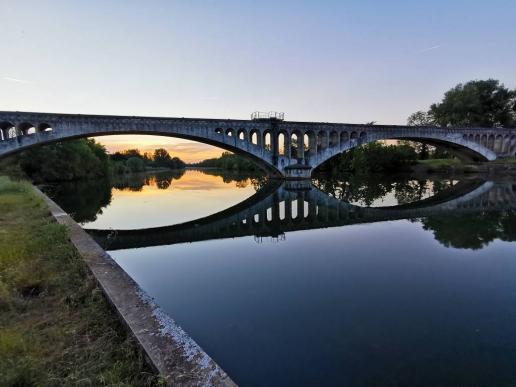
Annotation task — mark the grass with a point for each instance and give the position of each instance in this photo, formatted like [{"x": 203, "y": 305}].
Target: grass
[{"x": 56, "y": 327}]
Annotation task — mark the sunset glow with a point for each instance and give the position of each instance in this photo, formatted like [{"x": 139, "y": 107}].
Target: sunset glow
[{"x": 188, "y": 151}]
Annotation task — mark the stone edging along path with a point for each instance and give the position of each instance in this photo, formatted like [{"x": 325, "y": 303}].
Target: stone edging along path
[{"x": 175, "y": 355}]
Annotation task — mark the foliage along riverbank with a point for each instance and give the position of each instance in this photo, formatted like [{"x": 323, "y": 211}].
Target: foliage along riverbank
[
  {"x": 56, "y": 328},
  {"x": 84, "y": 159}
]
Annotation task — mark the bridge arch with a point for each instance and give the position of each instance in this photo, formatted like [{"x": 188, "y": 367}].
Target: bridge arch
[
  {"x": 462, "y": 146},
  {"x": 306, "y": 145}
]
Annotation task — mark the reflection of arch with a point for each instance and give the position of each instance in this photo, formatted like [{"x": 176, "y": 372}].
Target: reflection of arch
[
  {"x": 498, "y": 144},
  {"x": 483, "y": 140},
  {"x": 491, "y": 141},
  {"x": 288, "y": 207}
]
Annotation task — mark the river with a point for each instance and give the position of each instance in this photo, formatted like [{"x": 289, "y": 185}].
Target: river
[{"x": 354, "y": 281}]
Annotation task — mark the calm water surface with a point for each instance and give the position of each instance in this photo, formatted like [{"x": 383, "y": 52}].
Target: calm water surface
[{"x": 379, "y": 282}]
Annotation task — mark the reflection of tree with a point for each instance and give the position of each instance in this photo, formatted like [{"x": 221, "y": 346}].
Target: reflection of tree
[
  {"x": 472, "y": 231},
  {"x": 136, "y": 181},
  {"x": 83, "y": 199},
  {"x": 241, "y": 179},
  {"x": 365, "y": 189}
]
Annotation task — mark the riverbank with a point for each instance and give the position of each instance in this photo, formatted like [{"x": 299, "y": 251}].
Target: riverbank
[{"x": 56, "y": 326}]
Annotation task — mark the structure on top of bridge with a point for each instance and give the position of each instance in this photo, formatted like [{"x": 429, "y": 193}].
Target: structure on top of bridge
[{"x": 286, "y": 149}]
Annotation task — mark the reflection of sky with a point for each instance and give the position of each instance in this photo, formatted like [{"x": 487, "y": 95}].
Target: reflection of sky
[
  {"x": 357, "y": 305},
  {"x": 193, "y": 196}
]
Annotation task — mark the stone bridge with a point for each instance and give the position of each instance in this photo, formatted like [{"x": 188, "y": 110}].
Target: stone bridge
[
  {"x": 286, "y": 207},
  {"x": 283, "y": 148}
]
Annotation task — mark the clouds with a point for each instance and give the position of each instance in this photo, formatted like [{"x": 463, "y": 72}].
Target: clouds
[
  {"x": 429, "y": 49},
  {"x": 16, "y": 80}
]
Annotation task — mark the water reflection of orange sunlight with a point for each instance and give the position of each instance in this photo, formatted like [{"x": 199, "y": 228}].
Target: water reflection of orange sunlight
[
  {"x": 188, "y": 151},
  {"x": 194, "y": 195}
]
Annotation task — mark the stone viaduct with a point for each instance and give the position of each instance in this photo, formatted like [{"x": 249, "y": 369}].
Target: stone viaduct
[
  {"x": 289, "y": 206},
  {"x": 285, "y": 149}
]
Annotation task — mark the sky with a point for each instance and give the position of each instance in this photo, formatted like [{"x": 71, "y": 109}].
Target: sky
[{"x": 333, "y": 61}]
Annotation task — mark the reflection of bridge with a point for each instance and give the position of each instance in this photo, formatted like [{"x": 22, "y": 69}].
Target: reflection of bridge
[
  {"x": 288, "y": 149},
  {"x": 277, "y": 209}
]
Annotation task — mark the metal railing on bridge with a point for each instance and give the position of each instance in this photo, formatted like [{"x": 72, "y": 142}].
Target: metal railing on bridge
[{"x": 267, "y": 115}]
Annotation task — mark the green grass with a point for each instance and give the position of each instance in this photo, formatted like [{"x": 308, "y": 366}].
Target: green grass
[{"x": 56, "y": 328}]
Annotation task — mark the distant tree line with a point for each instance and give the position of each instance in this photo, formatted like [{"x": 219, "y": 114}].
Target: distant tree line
[
  {"x": 230, "y": 162},
  {"x": 132, "y": 160}
]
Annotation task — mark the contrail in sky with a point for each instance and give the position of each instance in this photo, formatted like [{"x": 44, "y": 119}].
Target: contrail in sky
[{"x": 16, "y": 80}]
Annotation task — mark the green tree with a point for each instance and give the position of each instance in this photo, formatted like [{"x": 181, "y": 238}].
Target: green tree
[
  {"x": 485, "y": 103},
  {"x": 69, "y": 160}
]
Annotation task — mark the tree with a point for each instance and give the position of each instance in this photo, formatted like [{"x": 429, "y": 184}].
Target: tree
[
  {"x": 421, "y": 118},
  {"x": 162, "y": 157},
  {"x": 486, "y": 103}
]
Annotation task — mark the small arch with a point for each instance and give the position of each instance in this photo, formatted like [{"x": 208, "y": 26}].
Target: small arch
[
  {"x": 334, "y": 139},
  {"x": 322, "y": 140},
  {"x": 344, "y": 138},
  {"x": 26, "y": 128},
  {"x": 44, "y": 127},
  {"x": 310, "y": 143},
  {"x": 483, "y": 140},
  {"x": 306, "y": 142},
  {"x": 477, "y": 138},
  {"x": 281, "y": 144},
  {"x": 471, "y": 137},
  {"x": 241, "y": 134},
  {"x": 5, "y": 127},
  {"x": 229, "y": 132},
  {"x": 353, "y": 136},
  {"x": 295, "y": 145},
  {"x": 362, "y": 137},
  {"x": 267, "y": 140},
  {"x": 218, "y": 131},
  {"x": 254, "y": 136}
]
